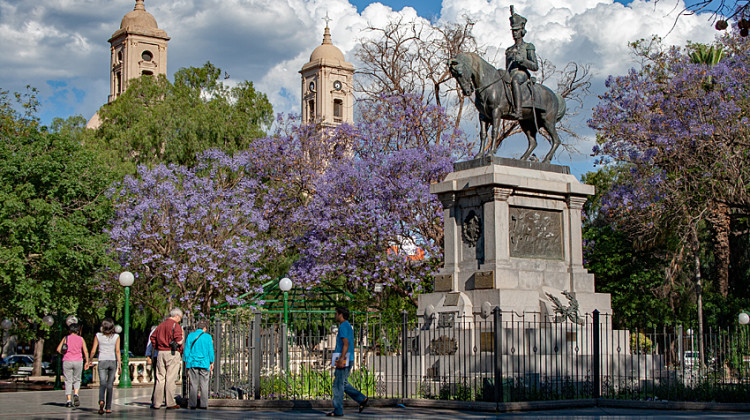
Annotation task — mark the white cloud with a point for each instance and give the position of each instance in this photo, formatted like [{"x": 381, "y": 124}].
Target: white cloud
[
  {"x": 267, "y": 41},
  {"x": 590, "y": 32}
]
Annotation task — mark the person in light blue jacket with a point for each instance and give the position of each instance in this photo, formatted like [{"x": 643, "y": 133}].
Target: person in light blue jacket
[{"x": 199, "y": 361}]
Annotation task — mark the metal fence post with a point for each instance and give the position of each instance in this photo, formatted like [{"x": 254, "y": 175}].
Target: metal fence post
[
  {"x": 404, "y": 359},
  {"x": 255, "y": 354},
  {"x": 283, "y": 337},
  {"x": 218, "y": 343},
  {"x": 187, "y": 329},
  {"x": 498, "y": 318},
  {"x": 597, "y": 356},
  {"x": 680, "y": 350}
]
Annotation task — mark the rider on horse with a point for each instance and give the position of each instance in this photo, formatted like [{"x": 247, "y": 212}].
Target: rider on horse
[{"x": 519, "y": 59}]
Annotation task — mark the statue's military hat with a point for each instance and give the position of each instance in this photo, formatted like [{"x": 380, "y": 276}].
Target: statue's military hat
[{"x": 516, "y": 21}]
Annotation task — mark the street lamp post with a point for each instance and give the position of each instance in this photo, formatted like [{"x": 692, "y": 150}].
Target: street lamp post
[
  {"x": 126, "y": 280},
  {"x": 48, "y": 320},
  {"x": 6, "y": 324},
  {"x": 743, "y": 318},
  {"x": 285, "y": 285}
]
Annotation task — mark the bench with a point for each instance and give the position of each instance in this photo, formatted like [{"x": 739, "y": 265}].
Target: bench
[{"x": 22, "y": 372}]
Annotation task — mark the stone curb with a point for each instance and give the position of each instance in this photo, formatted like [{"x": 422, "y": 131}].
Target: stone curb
[
  {"x": 675, "y": 405},
  {"x": 484, "y": 406}
]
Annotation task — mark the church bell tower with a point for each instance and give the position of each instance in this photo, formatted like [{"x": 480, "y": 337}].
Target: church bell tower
[
  {"x": 138, "y": 48},
  {"x": 328, "y": 85}
]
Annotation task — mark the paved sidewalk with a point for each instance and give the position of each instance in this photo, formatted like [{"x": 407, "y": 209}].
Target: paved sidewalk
[{"x": 133, "y": 404}]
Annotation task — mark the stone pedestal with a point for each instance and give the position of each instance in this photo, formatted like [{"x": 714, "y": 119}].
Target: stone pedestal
[{"x": 512, "y": 234}]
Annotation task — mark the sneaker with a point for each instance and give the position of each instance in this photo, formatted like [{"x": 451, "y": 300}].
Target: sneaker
[
  {"x": 76, "y": 400},
  {"x": 69, "y": 404}
]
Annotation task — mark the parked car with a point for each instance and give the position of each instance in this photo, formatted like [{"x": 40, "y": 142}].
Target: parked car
[
  {"x": 19, "y": 360},
  {"x": 692, "y": 359},
  {"x": 26, "y": 360}
]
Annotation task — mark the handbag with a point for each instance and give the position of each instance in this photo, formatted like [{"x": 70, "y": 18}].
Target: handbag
[{"x": 64, "y": 347}]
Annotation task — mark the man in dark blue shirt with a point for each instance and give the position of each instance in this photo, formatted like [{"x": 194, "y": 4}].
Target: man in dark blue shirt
[
  {"x": 344, "y": 358},
  {"x": 199, "y": 361}
]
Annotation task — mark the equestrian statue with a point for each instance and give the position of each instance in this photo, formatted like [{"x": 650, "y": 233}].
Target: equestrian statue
[{"x": 510, "y": 94}]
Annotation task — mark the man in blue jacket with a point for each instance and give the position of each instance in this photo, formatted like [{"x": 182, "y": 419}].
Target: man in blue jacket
[
  {"x": 344, "y": 358},
  {"x": 199, "y": 361}
]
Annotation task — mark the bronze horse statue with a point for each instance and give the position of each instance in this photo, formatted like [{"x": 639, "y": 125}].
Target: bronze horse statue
[{"x": 541, "y": 108}]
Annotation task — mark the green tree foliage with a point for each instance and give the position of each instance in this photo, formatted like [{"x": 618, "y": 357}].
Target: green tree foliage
[
  {"x": 53, "y": 211},
  {"x": 633, "y": 276},
  {"x": 14, "y": 121},
  {"x": 156, "y": 121},
  {"x": 73, "y": 126}
]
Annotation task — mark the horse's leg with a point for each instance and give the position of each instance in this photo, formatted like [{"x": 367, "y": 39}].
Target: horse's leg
[
  {"x": 497, "y": 122},
  {"x": 549, "y": 125},
  {"x": 529, "y": 128},
  {"x": 482, "y": 137}
]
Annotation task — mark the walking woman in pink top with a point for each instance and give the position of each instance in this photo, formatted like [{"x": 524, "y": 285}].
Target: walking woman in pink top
[{"x": 74, "y": 351}]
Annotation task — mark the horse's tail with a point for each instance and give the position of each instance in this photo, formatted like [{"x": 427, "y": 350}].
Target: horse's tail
[{"x": 561, "y": 107}]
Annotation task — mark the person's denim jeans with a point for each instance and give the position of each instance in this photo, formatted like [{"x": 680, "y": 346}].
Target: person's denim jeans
[
  {"x": 340, "y": 386},
  {"x": 107, "y": 372}
]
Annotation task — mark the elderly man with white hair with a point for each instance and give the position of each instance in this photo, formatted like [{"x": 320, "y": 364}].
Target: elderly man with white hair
[{"x": 167, "y": 339}]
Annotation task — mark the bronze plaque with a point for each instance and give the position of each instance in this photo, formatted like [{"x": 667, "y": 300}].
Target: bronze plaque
[
  {"x": 444, "y": 282},
  {"x": 536, "y": 233},
  {"x": 451, "y": 299},
  {"x": 484, "y": 280}
]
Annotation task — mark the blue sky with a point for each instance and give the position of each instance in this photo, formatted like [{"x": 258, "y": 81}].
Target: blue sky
[
  {"x": 431, "y": 8},
  {"x": 61, "y": 48}
]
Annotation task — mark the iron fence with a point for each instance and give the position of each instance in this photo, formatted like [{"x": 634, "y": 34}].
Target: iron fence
[{"x": 501, "y": 358}]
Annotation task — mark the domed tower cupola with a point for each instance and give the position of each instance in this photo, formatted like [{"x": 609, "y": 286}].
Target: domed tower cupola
[
  {"x": 138, "y": 48},
  {"x": 327, "y": 85}
]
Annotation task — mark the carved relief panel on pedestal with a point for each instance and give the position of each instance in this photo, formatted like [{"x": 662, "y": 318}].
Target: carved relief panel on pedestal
[{"x": 536, "y": 233}]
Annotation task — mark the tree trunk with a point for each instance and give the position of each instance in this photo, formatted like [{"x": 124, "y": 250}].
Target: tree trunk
[
  {"x": 699, "y": 293},
  {"x": 38, "y": 355},
  {"x": 720, "y": 222}
]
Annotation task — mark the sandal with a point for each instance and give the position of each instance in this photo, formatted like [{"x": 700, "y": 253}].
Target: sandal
[{"x": 101, "y": 407}]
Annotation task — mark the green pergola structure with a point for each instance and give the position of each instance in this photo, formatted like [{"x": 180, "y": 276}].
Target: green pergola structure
[{"x": 320, "y": 299}]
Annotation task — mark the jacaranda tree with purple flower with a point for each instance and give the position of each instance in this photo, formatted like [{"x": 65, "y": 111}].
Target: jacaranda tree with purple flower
[
  {"x": 194, "y": 237},
  {"x": 330, "y": 206},
  {"x": 679, "y": 129},
  {"x": 367, "y": 210}
]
